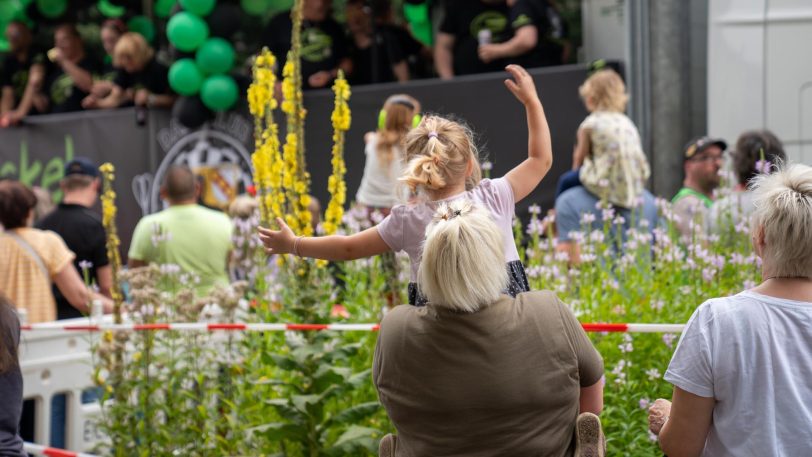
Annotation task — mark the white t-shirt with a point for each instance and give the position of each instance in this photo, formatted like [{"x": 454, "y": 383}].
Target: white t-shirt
[
  {"x": 380, "y": 187},
  {"x": 753, "y": 354}
]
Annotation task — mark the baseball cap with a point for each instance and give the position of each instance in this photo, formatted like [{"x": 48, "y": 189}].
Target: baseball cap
[
  {"x": 698, "y": 145},
  {"x": 81, "y": 166}
]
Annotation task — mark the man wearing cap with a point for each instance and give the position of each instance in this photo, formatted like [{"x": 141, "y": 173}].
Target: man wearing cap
[
  {"x": 81, "y": 229},
  {"x": 702, "y": 160}
]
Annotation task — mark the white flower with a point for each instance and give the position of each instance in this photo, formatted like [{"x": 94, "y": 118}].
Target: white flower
[
  {"x": 486, "y": 166},
  {"x": 534, "y": 209},
  {"x": 653, "y": 374}
]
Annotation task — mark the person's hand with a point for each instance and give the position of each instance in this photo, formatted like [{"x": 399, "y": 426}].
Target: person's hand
[
  {"x": 488, "y": 52},
  {"x": 657, "y": 415},
  {"x": 141, "y": 97},
  {"x": 36, "y": 76},
  {"x": 90, "y": 102},
  {"x": 277, "y": 241},
  {"x": 101, "y": 89},
  {"x": 522, "y": 85},
  {"x": 319, "y": 79},
  {"x": 56, "y": 56},
  {"x": 11, "y": 119}
]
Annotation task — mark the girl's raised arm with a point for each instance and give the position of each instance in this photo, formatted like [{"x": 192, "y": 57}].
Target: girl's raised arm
[
  {"x": 528, "y": 174},
  {"x": 333, "y": 247}
]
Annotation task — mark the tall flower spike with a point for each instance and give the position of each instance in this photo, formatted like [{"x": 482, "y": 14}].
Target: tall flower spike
[{"x": 341, "y": 119}]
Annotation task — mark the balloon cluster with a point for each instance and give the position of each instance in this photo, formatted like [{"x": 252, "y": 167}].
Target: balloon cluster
[{"x": 202, "y": 28}]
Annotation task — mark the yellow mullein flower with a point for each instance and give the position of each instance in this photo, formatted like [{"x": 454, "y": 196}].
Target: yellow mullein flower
[
  {"x": 335, "y": 183},
  {"x": 109, "y": 211}
]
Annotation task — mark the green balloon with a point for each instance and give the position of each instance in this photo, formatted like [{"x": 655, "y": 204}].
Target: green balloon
[
  {"x": 52, "y": 8},
  {"x": 142, "y": 25},
  {"x": 219, "y": 92},
  {"x": 185, "y": 78},
  {"x": 199, "y": 7},
  {"x": 255, "y": 7},
  {"x": 186, "y": 31},
  {"x": 110, "y": 10},
  {"x": 215, "y": 56},
  {"x": 9, "y": 10},
  {"x": 163, "y": 8}
]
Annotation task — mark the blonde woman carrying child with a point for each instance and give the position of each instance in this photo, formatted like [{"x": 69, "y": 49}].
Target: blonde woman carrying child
[
  {"x": 608, "y": 159},
  {"x": 442, "y": 167}
]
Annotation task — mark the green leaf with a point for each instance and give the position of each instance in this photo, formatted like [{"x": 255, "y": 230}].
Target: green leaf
[
  {"x": 286, "y": 363},
  {"x": 353, "y": 438},
  {"x": 284, "y": 408},
  {"x": 277, "y": 431},
  {"x": 352, "y": 415}
]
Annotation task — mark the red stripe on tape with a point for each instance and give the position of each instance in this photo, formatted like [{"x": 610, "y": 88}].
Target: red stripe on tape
[
  {"x": 306, "y": 326},
  {"x": 599, "y": 327},
  {"x": 376, "y": 327},
  {"x": 52, "y": 452},
  {"x": 88, "y": 328},
  {"x": 226, "y": 327},
  {"x": 151, "y": 327},
  {"x": 25, "y": 327}
]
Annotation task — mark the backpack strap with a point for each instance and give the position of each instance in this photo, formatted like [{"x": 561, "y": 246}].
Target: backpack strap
[{"x": 30, "y": 251}]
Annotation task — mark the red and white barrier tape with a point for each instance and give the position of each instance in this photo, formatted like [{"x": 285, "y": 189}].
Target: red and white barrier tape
[
  {"x": 278, "y": 327},
  {"x": 38, "y": 449}
]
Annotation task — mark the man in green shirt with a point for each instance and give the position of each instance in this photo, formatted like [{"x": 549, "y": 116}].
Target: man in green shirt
[
  {"x": 196, "y": 239},
  {"x": 702, "y": 159}
]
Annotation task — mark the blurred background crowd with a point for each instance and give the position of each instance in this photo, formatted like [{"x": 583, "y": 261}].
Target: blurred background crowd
[{"x": 72, "y": 55}]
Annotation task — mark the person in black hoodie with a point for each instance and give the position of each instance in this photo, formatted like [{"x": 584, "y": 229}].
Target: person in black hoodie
[{"x": 11, "y": 382}]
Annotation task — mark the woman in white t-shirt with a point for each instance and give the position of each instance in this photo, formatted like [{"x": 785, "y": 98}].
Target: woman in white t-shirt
[
  {"x": 385, "y": 159},
  {"x": 742, "y": 372}
]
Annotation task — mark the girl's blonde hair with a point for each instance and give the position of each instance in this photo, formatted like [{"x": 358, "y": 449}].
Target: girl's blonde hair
[
  {"x": 400, "y": 110},
  {"x": 605, "y": 90},
  {"x": 439, "y": 152},
  {"x": 462, "y": 266},
  {"x": 134, "y": 46},
  {"x": 783, "y": 202}
]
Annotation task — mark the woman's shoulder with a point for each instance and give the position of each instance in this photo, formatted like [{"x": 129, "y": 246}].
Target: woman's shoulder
[{"x": 539, "y": 300}]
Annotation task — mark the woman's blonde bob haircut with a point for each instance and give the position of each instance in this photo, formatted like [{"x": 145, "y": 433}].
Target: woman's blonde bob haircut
[
  {"x": 783, "y": 212},
  {"x": 605, "y": 91},
  {"x": 463, "y": 263},
  {"x": 133, "y": 46}
]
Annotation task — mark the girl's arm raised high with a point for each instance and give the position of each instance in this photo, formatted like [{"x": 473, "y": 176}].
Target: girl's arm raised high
[
  {"x": 333, "y": 247},
  {"x": 528, "y": 174}
]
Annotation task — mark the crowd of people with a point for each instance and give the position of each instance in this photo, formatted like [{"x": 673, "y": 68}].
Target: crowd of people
[
  {"x": 470, "y": 302},
  {"x": 370, "y": 47}
]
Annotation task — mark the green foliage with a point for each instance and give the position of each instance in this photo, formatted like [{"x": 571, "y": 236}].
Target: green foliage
[{"x": 311, "y": 394}]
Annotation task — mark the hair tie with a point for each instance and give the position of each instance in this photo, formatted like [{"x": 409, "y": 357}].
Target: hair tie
[{"x": 432, "y": 134}]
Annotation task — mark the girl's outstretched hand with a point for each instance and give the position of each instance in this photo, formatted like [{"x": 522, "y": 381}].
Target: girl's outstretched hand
[
  {"x": 521, "y": 85},
  {"x": 277, "y": 241}
]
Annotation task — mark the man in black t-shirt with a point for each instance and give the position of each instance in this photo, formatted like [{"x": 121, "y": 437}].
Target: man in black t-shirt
[
  {"x": 70, "y": 75},
  {"x": 16, "y": 65},
  {"x": 81, "y": 229},
  {"x": 324, "y": 46},
  {"x": 375, "y": 49},
  {"x": 539, "y": 38},
  {"x": 467, "y": 25},
  {"x": 20, "y": 62}
]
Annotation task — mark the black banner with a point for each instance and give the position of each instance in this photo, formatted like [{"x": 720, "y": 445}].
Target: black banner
[{"x": 36, "y": 152}]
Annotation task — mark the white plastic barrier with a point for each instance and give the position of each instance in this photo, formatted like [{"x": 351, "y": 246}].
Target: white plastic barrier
[{"x": 58, "y": 362}]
